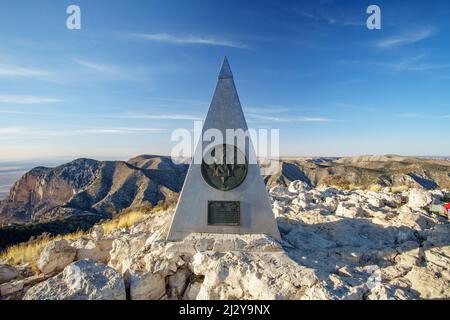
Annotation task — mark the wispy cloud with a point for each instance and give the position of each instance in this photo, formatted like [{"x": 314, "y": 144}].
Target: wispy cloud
[
  {"x": 95, "y": 66},
  {"x": 157, "y": 117},
  {"x": 289, "y": 119},
  {"x": 11, "y": 99},
  {"x": 351, "y": 106},
  {"x": 414, "y": 63},
  {"x": 267, "y": 110},
  {"x": 189, "y": 39},
  {"x": 13, "y": 131},
  {"x": 111, "y": 72},
  {"x": 407, "y": 38},
  {"x": 315, "y": 17},
  {"x": 414, "y": 115},
  {"x": 120, "y": 130},
  {"x": 331, "y": 19},
  {"x": 13, "y": 112},
  {"x": 7, "y": 70}
]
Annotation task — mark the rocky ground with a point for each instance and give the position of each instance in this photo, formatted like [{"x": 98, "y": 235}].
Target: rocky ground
[{"x": 335, "y": 245}]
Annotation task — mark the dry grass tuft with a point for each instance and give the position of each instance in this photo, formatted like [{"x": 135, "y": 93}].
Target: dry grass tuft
[
  {"x": 399, "y": 189},
  {"x": 29, "y": 252},
  {"x": 124, "y": 221},
  {"x": 375, "y": 188}
]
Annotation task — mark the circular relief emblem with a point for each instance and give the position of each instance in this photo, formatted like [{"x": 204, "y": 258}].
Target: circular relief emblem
[{"x": 224, "y": 167}]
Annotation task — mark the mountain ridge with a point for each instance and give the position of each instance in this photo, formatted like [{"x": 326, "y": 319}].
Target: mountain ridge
[{"x": 108, "y": 187}]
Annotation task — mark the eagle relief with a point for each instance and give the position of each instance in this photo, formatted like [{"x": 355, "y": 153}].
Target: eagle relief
[{"x": 224, "y": 167}]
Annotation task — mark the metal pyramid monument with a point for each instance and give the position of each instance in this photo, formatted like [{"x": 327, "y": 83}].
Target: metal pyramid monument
[{"x": 224, "y": 191}]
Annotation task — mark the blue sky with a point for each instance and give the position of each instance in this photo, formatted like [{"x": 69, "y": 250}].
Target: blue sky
[{"x": 137, "y": 70}]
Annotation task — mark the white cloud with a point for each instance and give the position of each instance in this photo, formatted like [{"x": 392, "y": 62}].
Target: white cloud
[
  {"x": 121, "y": 130},
  {"x": 14, "y": 112},
  {"x": 98, "y": 67},
  {"x": 413, "y": 63},
  {"x": 11, "y": 130},
  {"x": 157, "y": 117},
  {"x": 190, "y": 39},
  {"x": 290, "y": 119},
  {"x": 266, "y": 110},
  {"x": 24, "y": 72},
  {"x": 11, "y": 99},
  {"x": 408, "y": 38},
  {"x": 422, "y": 116},
  {"x": 316, "y": 17},
  {"x": 39, "y": 133}
]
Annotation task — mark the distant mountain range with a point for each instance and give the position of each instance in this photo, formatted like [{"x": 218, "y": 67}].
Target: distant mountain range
[{"x": 102, "y": 189}]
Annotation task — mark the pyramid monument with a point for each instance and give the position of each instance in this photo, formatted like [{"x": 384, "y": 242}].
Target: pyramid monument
[{"x": 224, "y": 191}]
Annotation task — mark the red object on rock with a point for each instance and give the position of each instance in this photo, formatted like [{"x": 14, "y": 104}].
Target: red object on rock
[{"x": 447, "y": 206}]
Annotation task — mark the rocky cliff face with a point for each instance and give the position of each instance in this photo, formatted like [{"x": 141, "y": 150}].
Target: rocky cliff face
[
  {"x": 86, "y": 185},
  {"x": 42, "y": 189}
]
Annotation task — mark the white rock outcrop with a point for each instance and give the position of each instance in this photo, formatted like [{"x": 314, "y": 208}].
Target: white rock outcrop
[
  {"x": 419, "y": 199},
  {"x": 8, "y": 273},
  {"x": 336, "y": 244},
  {"x": 56, "y": 256},
  {"x": 81, "y": 280},
  {"x": 97, "y": 248},
  {"x": 146, "y": 286}
]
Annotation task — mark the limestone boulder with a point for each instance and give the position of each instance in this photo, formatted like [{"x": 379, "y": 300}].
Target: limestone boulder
[
  {"x": 56, "y": 256},
  {"x": 96, "y": 249},
  {"x": 8, "y": 273},
  {"x": 123, "y": 250},
  {"x": 349, "y": 210},
  {"x": 278, "y": 208},
  {"x": 297, "y": 187},
  {"x": 163, "y": 263},
  {"x": 428, "y": 283},
  {"x": 81, "y": 280},
  {"x": 419, "y": 199},
  {"x": 177, "y": 283},
  {"x": 192, "y": 290},
  {"x": 392, "y": 292},
  {"x": 237, "y": 275},
  {"x": 97, "y": 232},
  {"x": 331, "y": 204},
  {"x": 146, "y": 285},
  {"x": 375, "y": 200},
  {"x": 393, "y": 200},
  {"x": 439, "y": 256}
]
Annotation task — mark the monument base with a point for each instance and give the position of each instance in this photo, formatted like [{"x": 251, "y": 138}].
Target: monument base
[{"x": 201, "y": 242}]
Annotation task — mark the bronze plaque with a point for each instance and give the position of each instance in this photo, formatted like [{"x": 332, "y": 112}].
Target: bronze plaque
[
  {"x": 226, "y": 168},
  {"x": 224, "y": 213}
]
